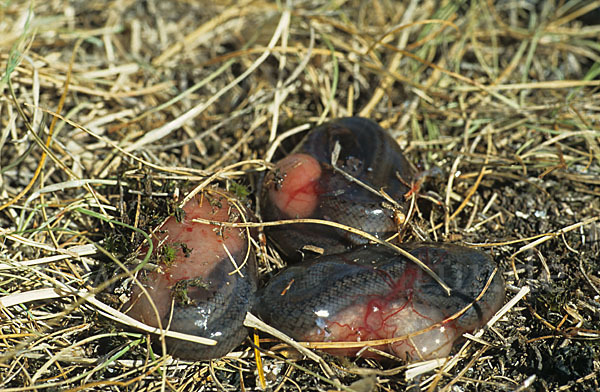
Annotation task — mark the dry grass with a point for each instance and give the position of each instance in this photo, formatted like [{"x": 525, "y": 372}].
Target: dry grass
[{"x": 109, "y": 110}]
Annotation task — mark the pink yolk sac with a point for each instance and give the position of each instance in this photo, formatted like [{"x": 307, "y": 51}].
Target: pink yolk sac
[
  {"x": 372, "y": 293},
  {"x": 205, "y": 281},
  {"x": 296, "y": 194}
]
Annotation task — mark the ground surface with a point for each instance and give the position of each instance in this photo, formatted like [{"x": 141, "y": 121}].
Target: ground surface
[{"x": 162, "y": 96}]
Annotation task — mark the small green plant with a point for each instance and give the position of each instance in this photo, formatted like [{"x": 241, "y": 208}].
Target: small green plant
[
  {"x": 239, "y": 190},
  {"x": 168, "y": 253}
]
